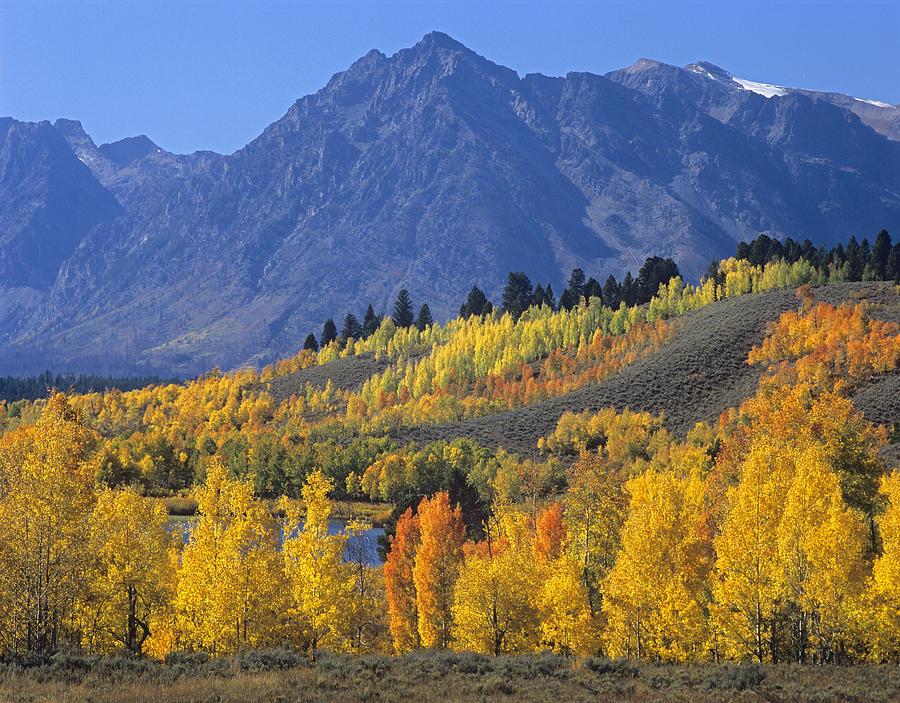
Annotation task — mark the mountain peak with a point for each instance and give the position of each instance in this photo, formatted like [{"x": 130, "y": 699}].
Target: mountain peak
[
  {"x": 729, "y": 80},
  {"x": 709, "y": 70},
  {"x": 643, "y": 64},
  {"x": 129, "y": 149},
  {"x": 73, "y": 131},
  {"x": 441, "y": 40},
  {"x": 430, "y": 169}
]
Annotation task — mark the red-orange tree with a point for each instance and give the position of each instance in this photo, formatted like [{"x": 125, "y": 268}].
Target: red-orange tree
[
  {"x": 436, "y": 568},
  {"x": 399, "y": 583}
]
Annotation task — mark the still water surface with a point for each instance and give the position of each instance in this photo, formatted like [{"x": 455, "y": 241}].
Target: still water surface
[{"x": 367, "y": 542}]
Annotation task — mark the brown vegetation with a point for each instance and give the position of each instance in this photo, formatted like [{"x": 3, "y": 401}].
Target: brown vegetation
[
  {"x": 693, "y": 378},
  {"x": 286, "y": 676}
]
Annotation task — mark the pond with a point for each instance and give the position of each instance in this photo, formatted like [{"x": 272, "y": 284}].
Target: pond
[{"x": 365, "y": 544}]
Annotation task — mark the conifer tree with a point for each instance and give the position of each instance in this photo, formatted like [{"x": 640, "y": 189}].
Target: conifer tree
[
  {"x": 549, "y": 297},
  {"x": 371, "y": 322},
  {"x": 403, "y": 309},
  {"x": 627, "y": 291},
  {"x": 476, "y": 304},
  {"x": 311, "y": 344},
  {"x": 881, "y": 250},
  {"x": 329, "y": 332},
  {"x": 593, "y": 289},
  {"x": 856, "y": 258},
  {"x": 517, "y": 294},
  {"x": 567, "y": 300},
  {"x": 654, "y": 273},
  {"x": 424, "y": 318},
  {"x": 611, "y": 297},
  {"x": 892, "y": 267},
  {"x": 352, "y": 328},
  {"x": 576, "y": 284}
]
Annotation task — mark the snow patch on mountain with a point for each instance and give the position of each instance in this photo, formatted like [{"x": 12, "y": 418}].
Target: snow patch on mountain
[
  {"x": 876, "y": 103},
  {"x": 768, "y": 90},
  {"x": 765, "y": 89},
  {"x": 723, "y": 77}
]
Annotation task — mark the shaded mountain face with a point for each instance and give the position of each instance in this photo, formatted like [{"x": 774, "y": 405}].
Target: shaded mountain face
[{"x": 430, "y": 170}]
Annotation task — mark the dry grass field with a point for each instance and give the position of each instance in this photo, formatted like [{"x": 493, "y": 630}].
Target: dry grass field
[
  {"x": 451, "y": 677},
  {"x": 345, "y": 374},
  {"x": 702, "y": 372},
  {"x": 693, "y": 378}
]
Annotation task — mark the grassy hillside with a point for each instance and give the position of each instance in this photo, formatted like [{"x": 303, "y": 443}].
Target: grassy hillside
[{"x": 693, "y": 378}]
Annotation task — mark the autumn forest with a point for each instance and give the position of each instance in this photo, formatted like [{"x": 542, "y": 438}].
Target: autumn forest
[{"x": 768, "y": 532}]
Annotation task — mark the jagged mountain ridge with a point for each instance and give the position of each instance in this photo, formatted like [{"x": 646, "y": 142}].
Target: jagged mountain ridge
[
  {"x": 883, "y": 117},
  {"x": 432, "y": 169}
]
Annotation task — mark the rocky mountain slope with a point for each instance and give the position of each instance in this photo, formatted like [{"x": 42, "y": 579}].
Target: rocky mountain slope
[{"x": 430, "y": 170}]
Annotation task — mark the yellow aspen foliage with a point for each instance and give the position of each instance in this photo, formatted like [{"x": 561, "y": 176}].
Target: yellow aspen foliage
[
  {"x": 747, "y": 579},
  {"x": 653, "y": 597},
  {"x": 496, "y": 600},
  {"x": 885, "y": 585},
  {"x": 321, "y": 585},
  {"x": 164, "y": 625},
  {"x": 133, "y": 579},
  {"x": 46, "y": 498},
  {"x": 229, "y": 595},
  {"x": 595, "y": 513},
  {"x": 820, "y": 550},
  {"x": 567, "y": 624},
  {"x": 436, "y": 568},
  {"x": 369, "y": 619},
  {"x": 791, "y": 418},
  {"x": 495, "y": 605}
]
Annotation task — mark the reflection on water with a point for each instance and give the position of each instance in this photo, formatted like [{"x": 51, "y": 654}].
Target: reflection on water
[{"x": 365, "y": 544}]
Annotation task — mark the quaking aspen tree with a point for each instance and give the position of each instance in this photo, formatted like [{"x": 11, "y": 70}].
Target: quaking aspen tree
[
  {"x": 229, "y": 595},
  {"x": 46, "y": 497},
  {"x": 821, "y": 544},
  {"x": 400, "y": 585},
  {"x": 321, "y": 584},
  {"x": 566, "y": 622},
  {"x": 132, "y": 579},
  {"x": 497, "y": 596},
  {"x": 885, "y": 584},
  {"x": 436, "y": 569},
  {"x": 653, "y": 597},
  {"x": 595, "y": 512},
  {"x": 746, "y": 582}
]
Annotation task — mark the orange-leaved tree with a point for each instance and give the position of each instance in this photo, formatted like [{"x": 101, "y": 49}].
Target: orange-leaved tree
[
  {"x": 399, "y": 583},
  {"x": 436, "y": 568}
]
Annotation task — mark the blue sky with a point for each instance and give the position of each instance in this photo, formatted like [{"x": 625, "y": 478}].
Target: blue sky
[{"x": 194, "y": 75}]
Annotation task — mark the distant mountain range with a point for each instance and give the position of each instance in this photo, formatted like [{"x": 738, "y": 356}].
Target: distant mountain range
[{"x": 432, "y": 170}]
